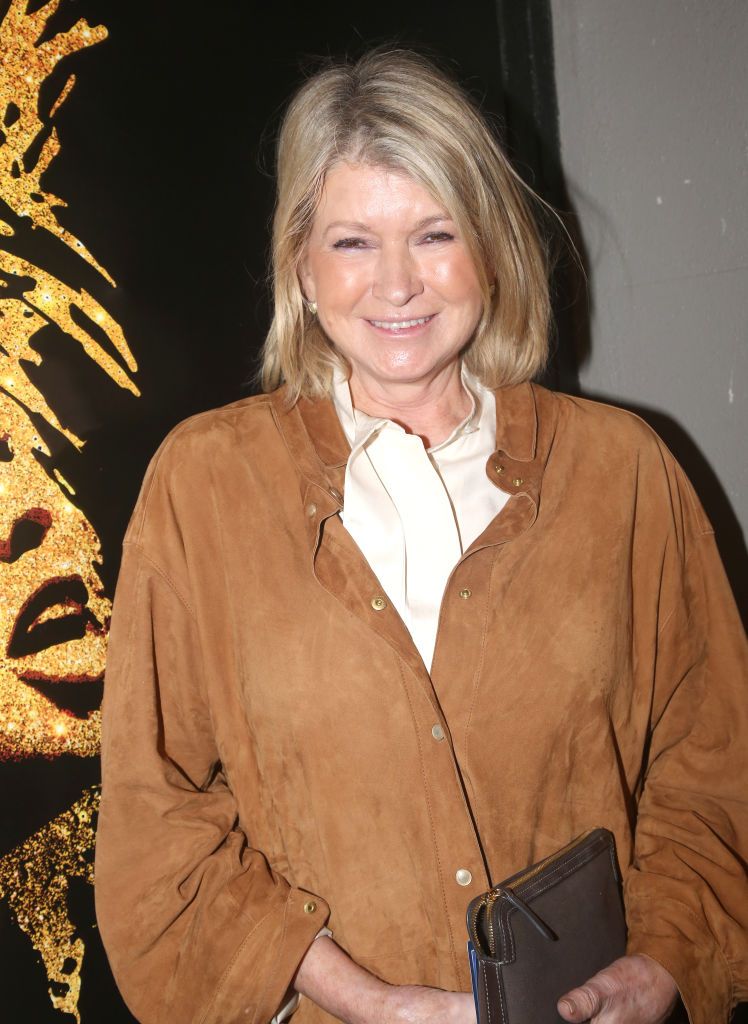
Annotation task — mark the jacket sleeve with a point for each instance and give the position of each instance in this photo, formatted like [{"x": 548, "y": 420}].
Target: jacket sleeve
[
  {"x": 687, "y": 897},
  {"x": 197, "y": 926}
]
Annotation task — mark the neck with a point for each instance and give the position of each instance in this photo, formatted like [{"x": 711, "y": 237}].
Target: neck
[{"x": 431, "y": 409}]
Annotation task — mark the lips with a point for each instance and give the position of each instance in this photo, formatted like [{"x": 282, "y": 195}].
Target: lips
[
  {"x": 79, "y": 698},
  {"x": 402, "y": 325},
  {"x": 399, "y": 319},
  {"x": 30, "y": 636}
]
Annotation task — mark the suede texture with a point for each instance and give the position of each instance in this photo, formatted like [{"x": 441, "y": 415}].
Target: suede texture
[{"x": 268, "y": 757}]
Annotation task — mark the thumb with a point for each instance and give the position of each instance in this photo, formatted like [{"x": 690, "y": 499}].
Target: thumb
[{"x": 583, "y": 1003}]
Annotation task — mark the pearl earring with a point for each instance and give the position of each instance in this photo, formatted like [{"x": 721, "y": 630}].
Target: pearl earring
[{"x": 312, "y": 307}]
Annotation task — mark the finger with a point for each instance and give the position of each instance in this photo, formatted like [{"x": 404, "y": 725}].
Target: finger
[{"x": 585, "y": 1002}]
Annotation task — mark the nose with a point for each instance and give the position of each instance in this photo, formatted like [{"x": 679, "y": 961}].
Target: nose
[
  {"x": 397, "y": 278},
  {"x": 26, "y": 533}
]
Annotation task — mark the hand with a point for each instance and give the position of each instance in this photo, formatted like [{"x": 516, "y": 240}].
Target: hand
[
  {"x": 633, "y": 990},
  {"x": 412, "y": 1004}
]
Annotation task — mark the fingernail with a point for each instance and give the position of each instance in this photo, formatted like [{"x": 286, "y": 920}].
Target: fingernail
[{"x": 567, "y": 1006}]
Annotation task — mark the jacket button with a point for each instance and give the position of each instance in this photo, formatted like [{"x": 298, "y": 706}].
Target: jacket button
[
  {"x": 517, "y": 481},
  {"x": 463, "y": 877},
  {"x": 437, "y": 732},
  {"x": 466, "y": 593},
  {"x": 311, "y": 509},
  {"x": 309, "y": 907},
  {"x": 378, "y": 604},
  {"x": 498, "y": 468}
]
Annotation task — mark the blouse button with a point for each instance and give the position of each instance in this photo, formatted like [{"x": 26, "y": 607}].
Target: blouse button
[
  {"x": 463, "y": 877},
  {"x": 309, "y": 907},
  {"x": 378, "y": 604}
]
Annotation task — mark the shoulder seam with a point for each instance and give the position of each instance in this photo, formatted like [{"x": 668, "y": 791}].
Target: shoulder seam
[{"x": 164, "y": 576}]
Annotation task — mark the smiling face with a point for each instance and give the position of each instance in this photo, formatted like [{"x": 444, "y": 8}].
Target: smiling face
[
  {"x": 53, "y": 616},
  {"x": 395, "y": 284}
]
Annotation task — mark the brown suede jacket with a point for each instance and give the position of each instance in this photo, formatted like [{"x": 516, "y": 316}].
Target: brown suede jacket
[{"x": 271, "y": 758}]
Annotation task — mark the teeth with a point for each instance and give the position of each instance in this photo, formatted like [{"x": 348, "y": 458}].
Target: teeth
[
  {"x": 57, "y": 611},
  {"x": 399, "y": 325}
]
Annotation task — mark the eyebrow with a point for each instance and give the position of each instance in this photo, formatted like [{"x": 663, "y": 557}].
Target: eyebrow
[{"x": 357, "y": 225}]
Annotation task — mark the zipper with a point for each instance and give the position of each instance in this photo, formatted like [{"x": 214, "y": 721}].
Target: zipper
[
  {"x": 492, "y": 897},
  {"x": 489, "y": 898},
  {"x": 486, "y": 902},
  {"x": 543, "y": 864}
]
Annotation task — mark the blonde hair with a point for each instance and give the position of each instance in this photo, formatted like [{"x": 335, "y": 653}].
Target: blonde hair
[{"x": 394, "y": 108}]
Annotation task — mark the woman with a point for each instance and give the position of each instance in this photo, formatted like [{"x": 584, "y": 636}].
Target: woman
[{"x": 407, "y": 622}]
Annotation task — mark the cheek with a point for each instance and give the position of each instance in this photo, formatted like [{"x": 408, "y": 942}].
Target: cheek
[
  {"x": 340, "y": 284},
  {"x": 457, "y": 280}
]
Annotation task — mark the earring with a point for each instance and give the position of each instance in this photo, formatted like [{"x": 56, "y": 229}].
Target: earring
[
  {"x": 492, "y": 287},
  {"x": 312, "y": 307}
]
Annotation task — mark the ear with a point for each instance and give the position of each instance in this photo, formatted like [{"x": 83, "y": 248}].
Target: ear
[{"x": 306, "y": 279}]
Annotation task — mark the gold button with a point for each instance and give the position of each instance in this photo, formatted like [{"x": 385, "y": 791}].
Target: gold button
[
  {"x": 498, "y": 468},
  {"x": 437, "y": 732},
  {"x": 336, "y": 494},
  {"x": 311, "y": 510},
  {"x": 309, "y": 907},
  {"x": 466, "y": 593},
  {"x": 463, "y": 877},
  {"x": 378, "y": 604},
  {"x": 517, "y": 481}
]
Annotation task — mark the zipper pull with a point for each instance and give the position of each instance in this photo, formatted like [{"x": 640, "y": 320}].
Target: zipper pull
[{"x": 531, "y": 916}]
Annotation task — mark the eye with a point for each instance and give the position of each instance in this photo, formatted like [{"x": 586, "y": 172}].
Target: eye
[
  {"x": 6, "y": 452},
  {"x": 350, "y": 243},
  {"x": 438, "y": 236}
]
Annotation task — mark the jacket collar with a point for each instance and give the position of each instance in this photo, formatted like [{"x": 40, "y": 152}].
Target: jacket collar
[
  {"x": 325, "y": 432},
  {"x": 516, "y": 422},
  {"x": 316, "y": 441},
  {"x": 317, "y": 423}
]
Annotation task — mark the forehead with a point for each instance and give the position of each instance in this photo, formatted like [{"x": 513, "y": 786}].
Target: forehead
[{"x": 371, "y": 194}]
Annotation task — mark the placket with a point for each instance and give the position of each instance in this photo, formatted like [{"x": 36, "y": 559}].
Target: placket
[
  {"x": 459, "y": 657},
  {"x": 342, "y": 571},
  {"x": 461, "y": 867}
]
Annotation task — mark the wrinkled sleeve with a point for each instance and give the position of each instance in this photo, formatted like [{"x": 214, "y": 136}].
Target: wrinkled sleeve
[
  {"x": 197, "y": 926},
  {"x": 687, "y": 896}
]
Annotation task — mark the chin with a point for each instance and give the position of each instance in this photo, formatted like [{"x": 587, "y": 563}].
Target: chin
[
  {"x": 49, "y": 717},
  {"x": 413, "y": 373},
  {"x": 53, "y": 737}
]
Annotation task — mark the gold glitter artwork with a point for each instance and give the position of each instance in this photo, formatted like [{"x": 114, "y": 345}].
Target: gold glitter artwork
[
  {"x": 54, "y": 615},
  {"x": 26, "y": 64},
  {"x": 34, "y": 880}
]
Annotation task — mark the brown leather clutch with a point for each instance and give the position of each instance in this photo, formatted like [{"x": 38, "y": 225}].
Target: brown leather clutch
[{"x": 546, "y": 930}]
